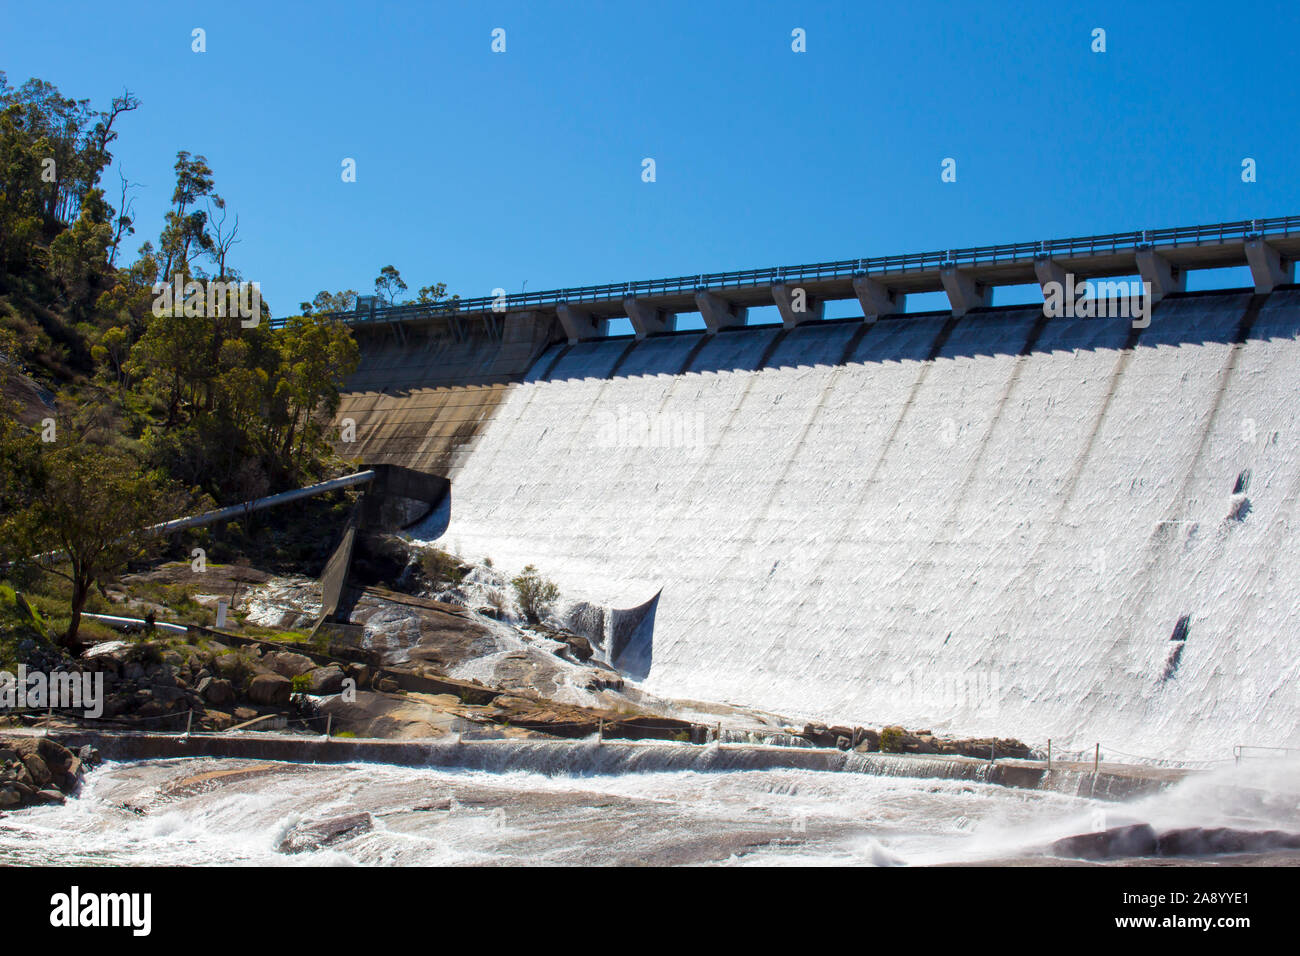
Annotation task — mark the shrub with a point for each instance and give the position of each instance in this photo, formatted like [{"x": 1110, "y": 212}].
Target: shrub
[
  {"x": 891, "y": 740},
  {"x": 536, "y": 594},
  {"x": 439, "y": 566},
  {"x": 496, "y": 599}
]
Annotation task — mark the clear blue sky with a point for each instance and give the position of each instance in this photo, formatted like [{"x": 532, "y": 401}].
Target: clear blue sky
[{"x": 482, "y": 169}]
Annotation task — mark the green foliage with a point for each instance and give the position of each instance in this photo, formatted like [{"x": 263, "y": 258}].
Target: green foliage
[
  {"x": 389, "y": 284},
  {"x": 237, "y": 411},
  {"x": 536, "y": 595},
  {"x": 891, "y": 740},
  {"x": 327, "y": 303},
  {"x": 301, "y": 684},
  {"x": 87, "y": 502},
  {"x": 440, "y": 567}
]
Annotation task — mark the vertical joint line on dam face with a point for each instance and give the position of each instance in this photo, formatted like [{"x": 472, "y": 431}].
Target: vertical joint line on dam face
[
  {"x": 936, "y": 349},
  {"x": 1244, "y": 327},
  {"x": 1031, "y": 343},
  {"x": 851, "y": 347},
  {"x": 1154, "y": 553},
  {"x": 627, "y": 352},
  {"x": 564, "y": 350},
  {"x": 693, "y": 354},
  {"x": 771, "y": 349}
]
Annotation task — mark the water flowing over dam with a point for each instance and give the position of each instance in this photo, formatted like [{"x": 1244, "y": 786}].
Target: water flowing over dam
[{"x": 996, "y": 523}]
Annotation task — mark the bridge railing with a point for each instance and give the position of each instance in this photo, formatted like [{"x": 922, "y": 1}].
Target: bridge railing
[{"x": 842, "y": 268}]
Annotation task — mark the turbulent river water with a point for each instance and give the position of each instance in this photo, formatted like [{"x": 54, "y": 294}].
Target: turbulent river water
[{"x": 208, "y": 811}]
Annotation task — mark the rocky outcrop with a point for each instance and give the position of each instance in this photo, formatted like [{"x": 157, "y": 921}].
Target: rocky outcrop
[{"x": 36, "y": 770}]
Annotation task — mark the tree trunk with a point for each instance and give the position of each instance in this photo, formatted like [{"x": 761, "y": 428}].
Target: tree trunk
[{"x": 80, "y": 591}]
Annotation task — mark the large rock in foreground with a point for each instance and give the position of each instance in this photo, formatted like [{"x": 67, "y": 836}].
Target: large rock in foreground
[{"x": 36, "y": 770}]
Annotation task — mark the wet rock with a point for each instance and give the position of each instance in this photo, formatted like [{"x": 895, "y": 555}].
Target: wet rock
[
  {"x": 819, "y": 735},
  {"x": 1136, "y": 840},
  {"x": 1208, "y": 841},
  {"x": 603, "y": 680},
  {"x": 38, "y": 770},
  {"x": 868, "y": 741},
  {"x": 40, "y": 774},
  {"x": 322, "y": 833}
]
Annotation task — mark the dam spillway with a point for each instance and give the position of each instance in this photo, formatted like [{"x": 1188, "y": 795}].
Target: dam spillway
[{"x": 996, "y": 523}]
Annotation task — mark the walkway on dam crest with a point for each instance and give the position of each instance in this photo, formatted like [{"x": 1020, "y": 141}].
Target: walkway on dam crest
[{"x": 1162, "y": 258}]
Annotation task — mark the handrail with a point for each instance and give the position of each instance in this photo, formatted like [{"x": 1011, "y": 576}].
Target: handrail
[{"x": 974, "y": 255}]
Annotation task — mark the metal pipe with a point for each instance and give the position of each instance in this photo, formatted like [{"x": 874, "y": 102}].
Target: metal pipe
[
  {"x": 240, "y": 510},
  {"x": 257, "y": 504}
]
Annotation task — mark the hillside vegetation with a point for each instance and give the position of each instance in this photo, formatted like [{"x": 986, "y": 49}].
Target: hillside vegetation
[{"x": 135, "y": 388}]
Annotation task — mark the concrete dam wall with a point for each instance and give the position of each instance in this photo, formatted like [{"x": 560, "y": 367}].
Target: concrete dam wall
[{"x": 998, "y": 523}]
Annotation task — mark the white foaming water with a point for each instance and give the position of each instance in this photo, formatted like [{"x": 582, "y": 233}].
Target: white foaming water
[
  {"x": 466, "y": 817},
  {"x": 156, "y": 813},
  {"x": 982, "y": 542}
]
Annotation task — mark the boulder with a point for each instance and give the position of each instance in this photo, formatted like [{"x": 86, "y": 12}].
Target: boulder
[
  {"x": 1205, "y": 841},
  {"x": 216, "y": 690},
  {"x": 868, "y": 741},
  {"x": 217, "y": 720},
  {"x": 325, "y": 680},
  {"x": 579, "y": 647},
  {"x": 322, "y": 833},
  {"x": 40, "y": 774},
  {"x": 1136, "y": 840},
  {"x": 232, "y": 664},
  {"x": 289, "y": 664},
  {"x": 819, "y": 735},
  {"x": 270, "y": 689}
]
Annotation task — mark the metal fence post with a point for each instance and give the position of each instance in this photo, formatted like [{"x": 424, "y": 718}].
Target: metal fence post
[{"x": 1096, "y": 758}]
